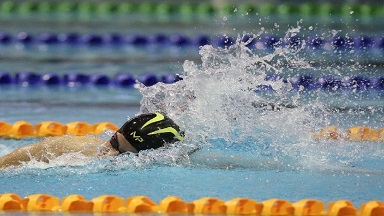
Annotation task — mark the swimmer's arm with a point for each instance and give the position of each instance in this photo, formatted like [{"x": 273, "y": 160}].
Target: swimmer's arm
[
  {"x": 22, "y": 154},
  {"x": 50, "y": 148}
]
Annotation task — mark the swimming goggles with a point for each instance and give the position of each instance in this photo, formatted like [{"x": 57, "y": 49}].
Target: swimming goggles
[{"x": 115, "y": 143}]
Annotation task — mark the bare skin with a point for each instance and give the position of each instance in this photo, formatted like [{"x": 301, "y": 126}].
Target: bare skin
[{"x": 53, "y": 147}]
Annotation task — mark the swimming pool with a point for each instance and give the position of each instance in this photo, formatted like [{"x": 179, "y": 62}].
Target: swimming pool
[{"x": 247, "y": 147}]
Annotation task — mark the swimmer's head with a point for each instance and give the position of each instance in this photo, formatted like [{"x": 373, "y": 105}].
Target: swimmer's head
[{"x": 146, "y": 131}]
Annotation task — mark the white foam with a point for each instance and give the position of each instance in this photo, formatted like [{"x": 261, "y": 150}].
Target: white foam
[
  {"x": 216, "y": 100},
  {"x": 69, "y": 159}
]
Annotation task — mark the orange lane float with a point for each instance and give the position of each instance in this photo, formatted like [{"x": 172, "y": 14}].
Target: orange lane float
[
  {"x": 358, "y": 134},
  {"x": 75, "y": 203},
  {"x": 24, "y": 129},
  {"x": 50, "y": 128}
]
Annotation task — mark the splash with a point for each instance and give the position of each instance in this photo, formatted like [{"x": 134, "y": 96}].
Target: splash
[
  {"x": 222, "y": 106},
  {"x": 226, "y": 110}
]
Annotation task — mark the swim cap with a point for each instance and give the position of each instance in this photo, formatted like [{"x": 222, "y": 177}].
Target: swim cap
[{"x": 151, "y": 131}]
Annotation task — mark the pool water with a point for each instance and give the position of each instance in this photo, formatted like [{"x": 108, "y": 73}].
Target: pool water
[{"x": 245, "y": 149}]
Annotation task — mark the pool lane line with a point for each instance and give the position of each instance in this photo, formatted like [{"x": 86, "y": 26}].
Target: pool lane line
[
  {"x": 76, "y": 203},
  {"x": 268, "y": 42},
  {"x": 127, "y": 80},
  {"x": 120, "y": 80},
  {"x": 23, "y": 129},
  {"x": 188, "y": 9}
]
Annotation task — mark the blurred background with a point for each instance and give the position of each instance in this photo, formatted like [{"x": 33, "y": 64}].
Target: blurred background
[{"x": 156, "y": 37}]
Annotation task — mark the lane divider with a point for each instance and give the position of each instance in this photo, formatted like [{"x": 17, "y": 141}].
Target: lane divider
[
  {"x": 298, "y": 82},
  {"x": 180, "y": 40},
  {"x": 23, "y": 129},
  {"x": 327, "y": 82},
  {"x": 162, "y": 8},
  {"x": 358, "y": 133},
  {"x": 93, "y": 39},
  {"x": 75, "y": 203},
  {"x": 31, "y": 79}
]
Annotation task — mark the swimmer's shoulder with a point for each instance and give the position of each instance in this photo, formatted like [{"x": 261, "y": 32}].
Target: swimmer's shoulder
[
  {"x": 72, "y": 138},
  {"x": 71, "y": 142}
]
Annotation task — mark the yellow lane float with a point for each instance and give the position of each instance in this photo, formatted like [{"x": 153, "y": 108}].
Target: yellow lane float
[
  {"x": 24, "y": 129},
  {"x": 75, "y": 203}
]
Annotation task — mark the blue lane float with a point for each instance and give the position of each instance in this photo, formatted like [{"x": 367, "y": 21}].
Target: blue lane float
[
  {"x": 180, "y": 40},
  {"x": 74, "y": 79},
  {"x": 124, "y": 79},
  {"x": 298, "y": 82},
  {"x": 148, "y": 79}
]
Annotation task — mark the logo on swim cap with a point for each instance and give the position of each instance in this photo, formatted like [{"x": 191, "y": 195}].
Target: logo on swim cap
[
  {"x": 151, "y": 131},
  {"x": 137, "y": 138}
]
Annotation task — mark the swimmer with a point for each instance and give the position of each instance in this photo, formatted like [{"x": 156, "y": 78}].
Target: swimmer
[{"x": 146, "y": 131}]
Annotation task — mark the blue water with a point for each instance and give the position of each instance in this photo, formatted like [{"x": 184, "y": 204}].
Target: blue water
[
  {"x": 190, "y": 183},
  {"x": 244, "y": 151}
]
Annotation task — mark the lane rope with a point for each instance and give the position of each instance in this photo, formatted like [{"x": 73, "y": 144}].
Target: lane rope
[
  {"x": 312, "y": 42},
  {"x": 75, "y": 203},
  {"x": 123, "y": 80},
  {"x": 127, "y": 80},
  {"x": 188, "y": 9},
  {"x": 357, "y": 133},
  {"x": 23, "y": 129}
]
